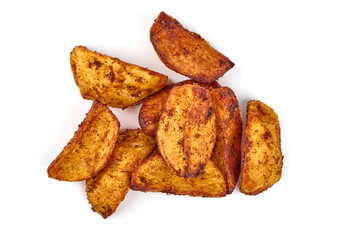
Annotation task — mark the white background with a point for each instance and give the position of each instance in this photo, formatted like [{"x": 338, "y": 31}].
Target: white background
[{"x": 301, "y": 58}]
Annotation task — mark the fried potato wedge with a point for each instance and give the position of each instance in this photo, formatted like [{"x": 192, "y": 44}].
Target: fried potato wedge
[
  {"x": 153, "y": 175},
  {"x": 186, "y": 133},
  {"x": 262, "y": 163},
  {"x": 186, "y": 52},
  {"x": 106, "y": 190},
  {"x": 105, "y": 193},
  {"x": 227, "y": 150},
  {"x": 90, "y": 148},
  {"x": 112, "y": 81},
  {"x": 153, "y": 106}
]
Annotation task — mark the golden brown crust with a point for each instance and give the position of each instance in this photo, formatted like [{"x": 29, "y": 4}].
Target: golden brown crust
[
  {"x": 186, "y": 133},
  {"x": 105, "y": 193},
  {"x": 153, "y": 175},
  {"x": 152, "y": 108},
  {"x": 227, "y": 150},
  {"x": 90, "y": 148},
  {"x": 112, "y": 81},
  {"x": 186, "y": 52},
  {"x": 106, "y": 190},
  {"x": 262, "y": 164}
]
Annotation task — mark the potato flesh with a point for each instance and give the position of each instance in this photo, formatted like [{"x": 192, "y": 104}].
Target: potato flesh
[
  {"x": 262, "y": 165},
  {"x": 106, "y": 190},
  {"x": 187, "y": 131},
  {"x": 90, "y": 148},
  {"x": 153, "y": 175},
  {"x": 112, "y": 81}
]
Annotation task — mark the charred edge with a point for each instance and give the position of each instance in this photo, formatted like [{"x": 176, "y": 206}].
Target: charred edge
[
  {"x": 226, "y": 63},
  {"x": 222, "y": 62},
  {"x": 231, "y": 64},
  {"x": 166, "y": 21}
]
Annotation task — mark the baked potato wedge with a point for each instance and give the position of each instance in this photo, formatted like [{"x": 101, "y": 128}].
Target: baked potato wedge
[
  {"x": 112, "y": 81},
  {"x": 186, "y": 52},
  {"x": 227, "y": 150},
  {"x": 152, "y": 107},
  {"x": 186, "y": 133},
  {"x": 90, "y": 148},
  {"x": 262, "y": 162},
  {"x": 106, "y": 190},
  {"x": 153, "y": 175}
]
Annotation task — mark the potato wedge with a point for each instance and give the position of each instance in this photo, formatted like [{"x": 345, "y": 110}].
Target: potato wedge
[
  {"x": 227, "y": 150},
  {"x": 106, "y": 190},
  {"x": 105, "y": 193},
  {"x": 90, "y": 148},
  {"x": 186, "y": 52},
  {"x": 112, "y": 81},
  {"x": 263, "y": 159},
  {"x": 186, "y": 133},
  {"x": 152, "y": 108},
  {"x": 153, "y": 175}
]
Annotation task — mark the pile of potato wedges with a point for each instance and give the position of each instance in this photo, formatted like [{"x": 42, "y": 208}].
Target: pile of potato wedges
[{"x": 190, "y": 136}]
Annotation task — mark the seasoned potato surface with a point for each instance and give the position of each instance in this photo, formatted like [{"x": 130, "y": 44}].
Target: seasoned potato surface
[
  {"x": 106, "y": 190},
  {"x": 90, "y": 148},
  {"x": 187, "y": 52},
  {"x": 187, "y": 131},
  {"x": 112, "y": 81},
  {"x": 153, "y": 175},
  {"x": 262, "y": 165},
  {"x": 153, "y": 106}
]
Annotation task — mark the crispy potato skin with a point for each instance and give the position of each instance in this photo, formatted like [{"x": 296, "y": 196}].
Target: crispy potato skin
[
  {"x": 263, "y": 159},
  {"x": 106, "y": 190},
  {"x": 153, "y": 106},
  {"x": 153, "y": 175},
  {"x": 112, "y": 81},
  {"x": 151, "y": 110},
  {"x": 90, "y": 148},
  {"x": 186, "y": 133},
  {"x": 227, "y": 150},
  {"x": 186, "y": 52}
]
